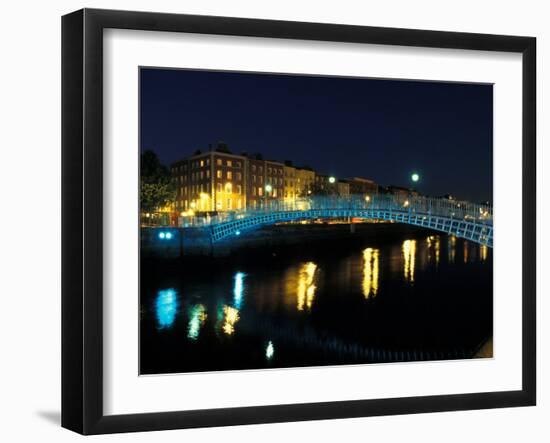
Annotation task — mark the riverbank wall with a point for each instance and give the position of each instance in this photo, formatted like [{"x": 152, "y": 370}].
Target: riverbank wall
[{"x": 173, "y": 243}]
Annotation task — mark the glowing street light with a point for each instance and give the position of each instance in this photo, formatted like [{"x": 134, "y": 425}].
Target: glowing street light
[
  {"x": 268, "y": 188},
  {"x": 415, "y": 177},
  {"x": 332, "y": 180}
]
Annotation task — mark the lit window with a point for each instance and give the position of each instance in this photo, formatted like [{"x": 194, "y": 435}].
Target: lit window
[
  {"x": 220, "y": 188},
  {"x": 219, "y": 173},
  {"x": 229, "y": 163},
  {"x": 219, "y": 162},
  {"x": 260, "y": 191},
  {"x": 229, "y": 175},
  {"x": 202, "y": 163},
  {"x": 238, "y": 189},
  {"x": 239, "y": 176},
  {"x": 208, "y": 173}
]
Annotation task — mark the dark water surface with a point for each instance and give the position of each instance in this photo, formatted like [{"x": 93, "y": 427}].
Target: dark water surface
[{"x": 409, "y": 297}]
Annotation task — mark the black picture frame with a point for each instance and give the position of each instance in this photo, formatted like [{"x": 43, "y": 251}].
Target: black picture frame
[{"x": 82, "y": 218}]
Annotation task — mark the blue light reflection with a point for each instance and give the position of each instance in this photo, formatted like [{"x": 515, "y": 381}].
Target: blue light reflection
[
  {"x": 166, "y": 307},
  {"x": 238, "y": 289}
]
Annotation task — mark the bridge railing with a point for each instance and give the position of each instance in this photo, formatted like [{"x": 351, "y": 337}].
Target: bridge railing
[{"x": 411, "y": 204}]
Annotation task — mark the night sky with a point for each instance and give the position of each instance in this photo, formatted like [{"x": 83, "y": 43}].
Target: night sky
[{"x": 378, "y": 129}]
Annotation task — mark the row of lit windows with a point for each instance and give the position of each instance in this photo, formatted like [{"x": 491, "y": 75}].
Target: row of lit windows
[
  {"x": 259, "y": 192},
  {"x": 229, "y": 163},
  {"x": 229, "y": 175}
]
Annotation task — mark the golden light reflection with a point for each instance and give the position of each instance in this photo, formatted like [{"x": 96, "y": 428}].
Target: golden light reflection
[
  {"x": 306, "y": 286},
  {"x": 370, "y": 272},
  {"x": 451, "y": 249},
  {"x": 409, "y": 256},
  {"x": 465, "y": 252},
  {"x": 483, "y": 250},
  {"x": 437, "y": 249},
  {"x": 231, "y": 316}
]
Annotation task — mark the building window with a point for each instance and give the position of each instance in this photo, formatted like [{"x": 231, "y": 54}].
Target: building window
[
  {"x": 261, "y": 168},
  {"x": 207, "y": 161},
  {"x": 238, "y": 189},
  {"x": 220, "y": 188},
  {"x": 219, "y": 161},
  {"x": 237, "y": 164},
  {"x": 202, "y": 163},
  {"x": 253, "y": 168},
  {"x": 260, "y": 179},
  {"x": 239, "y": 176},
  {"x": 228, "y": 203},
  {"x": 202, "y": 175},
  {"x": 219, "y": 173},
  {"x": 208, "y": 173},
  {"x": 260, "y": 191},
  {"x": 229, "y": 175},
  {"x": 229, "y": 163},
  {"x": 269, "y": 171},
  {"x": 253, "y": 179},
  {"x": 275, "y": 192},
  {"x": 254, "y": 191}
]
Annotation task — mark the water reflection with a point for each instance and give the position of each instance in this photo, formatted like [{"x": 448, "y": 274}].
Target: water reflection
[
  {"x": 377, "y": 302},
  {"x": 451, "y": 249},
  {"x": 231, "y": 316},
  {"x": 306, "y": 286},
  {"x": 434, "y": 243},
  {"x": 370, "y": 272},
  {"x": 197, "y": 317},
  {"x": 166, "y": 307},
  {"x": 483, "y": 249},
  {"x": 238, "y": 289},
  {"x": 269, "y": 350},
  {"x": 409, "y": 257}
]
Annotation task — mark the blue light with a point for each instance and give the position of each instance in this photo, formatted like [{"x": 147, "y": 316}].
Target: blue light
[
  {"x": 161, "y": 235},
  {"x": 168, "y": 235},
  {"x": 166, "y": 307},
  {"x": 237, "y": 232},
  {"x": 238, "y": 289}
]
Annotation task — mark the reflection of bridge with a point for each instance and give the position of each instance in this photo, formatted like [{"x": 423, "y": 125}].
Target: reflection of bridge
[{"x": 466, "y": 220}]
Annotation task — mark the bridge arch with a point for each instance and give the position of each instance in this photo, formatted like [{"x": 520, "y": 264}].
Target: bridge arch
[{"x": 468, "y": 221}]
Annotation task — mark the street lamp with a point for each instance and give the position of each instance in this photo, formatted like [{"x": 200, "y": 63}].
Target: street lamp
[
  {"x": 331, "y": 180},
  {"x": 415, "y": 177},
  {"x": 268, "y": 188}
]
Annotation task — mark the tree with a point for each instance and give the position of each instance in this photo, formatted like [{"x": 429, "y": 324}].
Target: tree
[{"x": 156, "y": 186}]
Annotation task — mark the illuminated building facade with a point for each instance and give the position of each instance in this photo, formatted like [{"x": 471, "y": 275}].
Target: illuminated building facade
[{"x": 218, "y": 180}]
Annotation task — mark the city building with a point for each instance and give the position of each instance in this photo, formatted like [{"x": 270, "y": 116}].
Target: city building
[
  {"x": 218, "y": 180},
  {"x": 290, "y": 188},
  {"x": 359, "y": 185},
  {"x": 343, "y": 188},
  {"x": 305, "y": 179},
  {"x": 210, "y": 181}
]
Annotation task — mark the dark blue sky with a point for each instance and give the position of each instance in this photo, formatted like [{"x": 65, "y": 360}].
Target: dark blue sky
[{"x": 379, "y": 129}]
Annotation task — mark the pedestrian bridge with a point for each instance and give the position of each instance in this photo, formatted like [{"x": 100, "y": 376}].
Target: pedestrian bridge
[{"x": 466, "y": 220}]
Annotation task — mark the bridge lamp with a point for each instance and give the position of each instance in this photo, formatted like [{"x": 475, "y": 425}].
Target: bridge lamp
[
  {"x": 332, "y": 180},
  {"x": 237, "y": 232},
  {"x": 162, "y": 235},
  {"x": 415, "y": 177},
  {"x": 168, "y": 235}
]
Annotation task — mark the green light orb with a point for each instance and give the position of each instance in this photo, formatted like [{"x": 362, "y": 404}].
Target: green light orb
[{"x": 415, "y": 177}]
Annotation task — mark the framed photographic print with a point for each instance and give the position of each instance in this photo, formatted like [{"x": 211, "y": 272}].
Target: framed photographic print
[{"x": 269, "y": 221}]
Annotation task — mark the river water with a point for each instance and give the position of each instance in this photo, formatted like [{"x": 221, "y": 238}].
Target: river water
[{"x": 418, "y": 296}]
